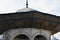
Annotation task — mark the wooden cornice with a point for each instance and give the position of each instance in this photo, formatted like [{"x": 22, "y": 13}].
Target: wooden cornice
[{"x": 29, "y": 20}]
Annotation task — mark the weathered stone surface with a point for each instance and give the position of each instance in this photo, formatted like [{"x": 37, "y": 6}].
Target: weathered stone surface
[{"x": 30, "y": 32}]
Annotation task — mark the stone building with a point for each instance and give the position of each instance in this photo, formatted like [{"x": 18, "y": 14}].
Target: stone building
[{"x": 28, "y": 24}]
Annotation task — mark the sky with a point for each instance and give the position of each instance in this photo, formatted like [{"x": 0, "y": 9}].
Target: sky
[{"x": 46, "y": 6}]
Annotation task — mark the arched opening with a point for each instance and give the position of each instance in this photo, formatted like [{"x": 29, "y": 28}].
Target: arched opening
[
  {"x": 21, "y": 37},
  {"x": 40, "y": 37}
]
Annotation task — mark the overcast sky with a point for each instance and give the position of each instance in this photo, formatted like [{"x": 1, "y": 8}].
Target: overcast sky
[{"x": 46, "y": 6}]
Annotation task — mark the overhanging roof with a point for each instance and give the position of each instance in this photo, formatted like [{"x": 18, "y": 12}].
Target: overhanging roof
[{"x": 30, "y": 19}]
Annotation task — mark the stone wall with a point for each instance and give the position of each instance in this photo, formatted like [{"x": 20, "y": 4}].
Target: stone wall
[{"x": 30, "y": 32}]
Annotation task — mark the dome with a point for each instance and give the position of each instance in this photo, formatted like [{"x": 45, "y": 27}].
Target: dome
[{"x": 25, "y": 10}]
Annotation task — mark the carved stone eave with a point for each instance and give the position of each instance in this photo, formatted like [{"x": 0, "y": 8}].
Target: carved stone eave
[{"x": 32, "y": 19}]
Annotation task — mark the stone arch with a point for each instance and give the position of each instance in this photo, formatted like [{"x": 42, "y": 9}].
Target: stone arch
[
  {"x": 40, "y": 37},
  {"x": 30, "y": 32},
  {"x": 14, "y": 32},
  {"x": 20, "y": 33},
  {"x": 46, "y": 34},
  {"x": 21, "y": 37}
]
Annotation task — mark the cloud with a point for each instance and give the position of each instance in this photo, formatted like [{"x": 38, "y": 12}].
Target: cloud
[
  {"x": 47, "y": 6},
  {"x": 1, "y": 36},
  {"x": 7, "y": 6},
  {"x": 57, "y": 35}
]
